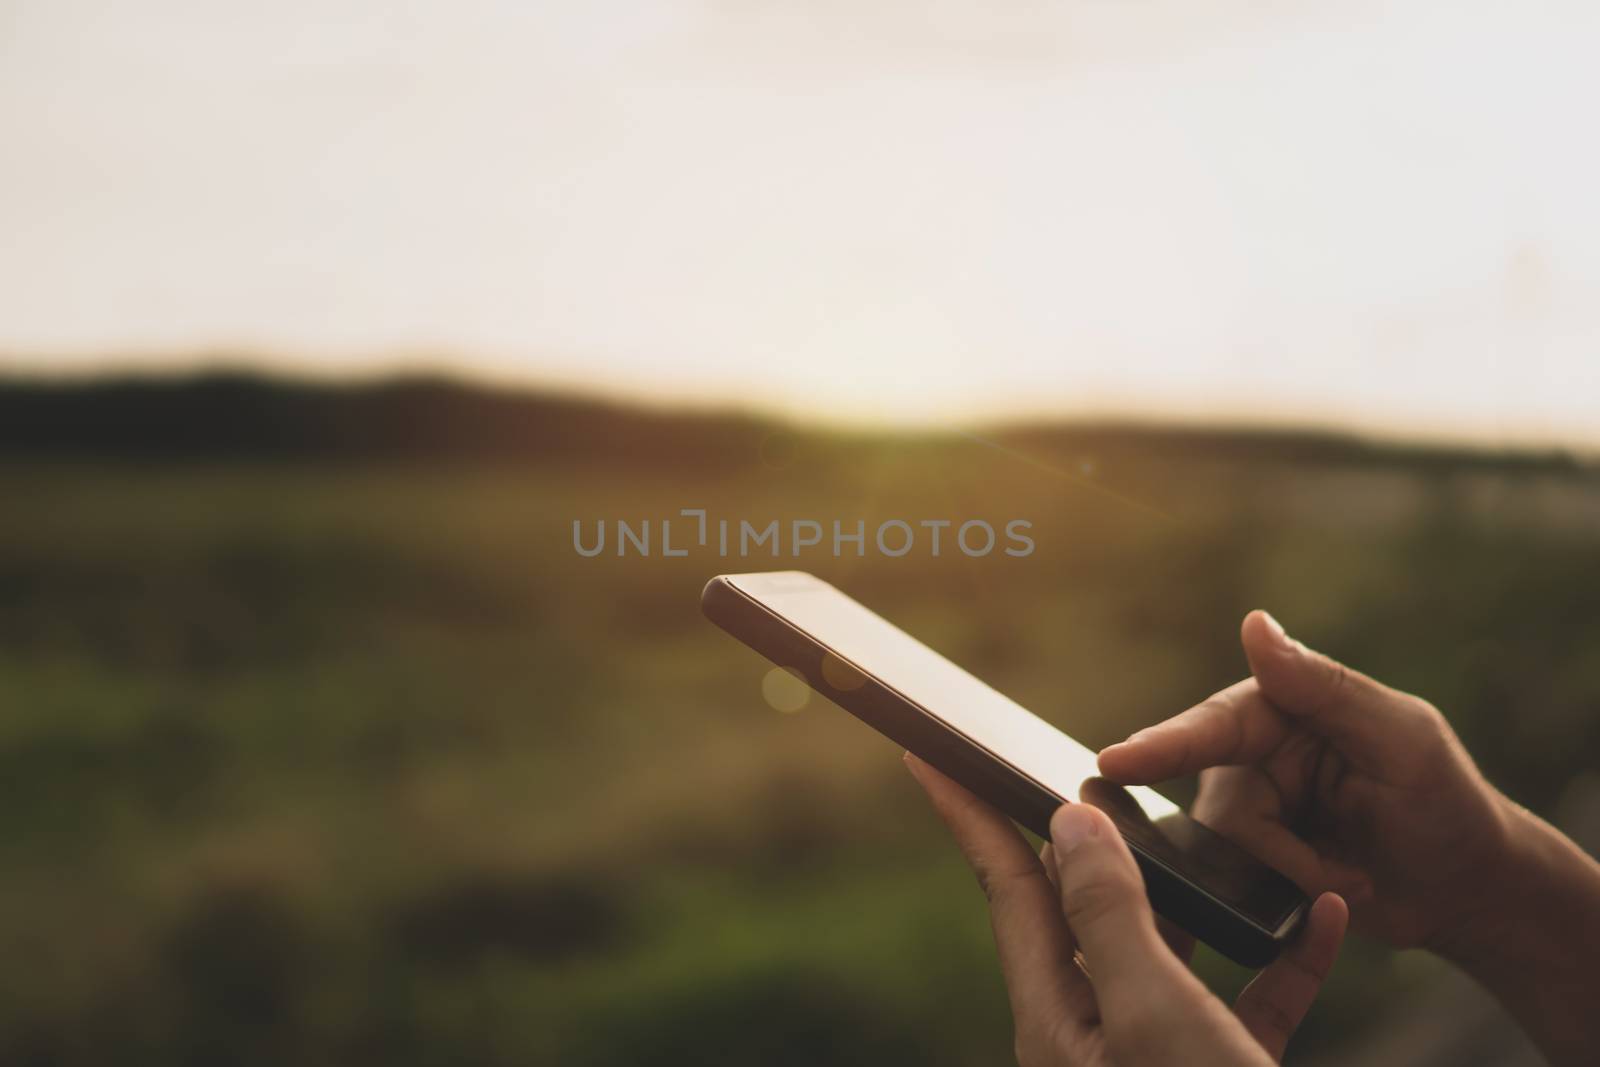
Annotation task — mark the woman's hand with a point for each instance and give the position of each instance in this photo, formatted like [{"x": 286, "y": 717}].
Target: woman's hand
[
  {"x": 1344, "y": 784},
  {"x": 1092, "y": 979},
  {"x": 1341, "y": 783}
]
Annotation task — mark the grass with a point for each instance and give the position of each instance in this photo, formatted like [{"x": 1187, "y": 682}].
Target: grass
[{"x": 360, "y": 762}]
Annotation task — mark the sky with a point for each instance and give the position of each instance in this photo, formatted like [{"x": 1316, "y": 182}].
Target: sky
[{"x": 1372, "y": 216}]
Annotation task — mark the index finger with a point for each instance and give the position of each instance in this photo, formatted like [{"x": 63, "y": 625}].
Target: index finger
[
  {"x": 1235, "y": 726},
  {"x": 1043, "y": 980}
]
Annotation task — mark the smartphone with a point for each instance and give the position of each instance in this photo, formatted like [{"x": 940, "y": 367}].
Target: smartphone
[{"x": 1005, "y": 754}]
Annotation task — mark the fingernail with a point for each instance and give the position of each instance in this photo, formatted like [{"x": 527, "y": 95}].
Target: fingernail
[
  {"x": 1138, "y": 737},
  {"x": 1135, "y": 739},
  {"x": 1279, "y": 636},
  {"x": 1072, "y": 826}
]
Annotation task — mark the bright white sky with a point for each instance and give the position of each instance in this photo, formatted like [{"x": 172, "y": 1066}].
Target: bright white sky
[{"x": 1372, "y": 215}]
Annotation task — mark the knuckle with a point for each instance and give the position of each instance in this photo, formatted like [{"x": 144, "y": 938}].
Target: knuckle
[
  {"x": 1094, "y": 902},
  {"x": 1216, "y": 707},
  {"x": 1430, "y": 714},
  {"x": 1430, "y": 721},
  {"x": 1276, "y": 1020},
  {"x": 1219, "y": 816},
  {"x": 1218, "y": 786},
  {"x": 996, "y": 884},
  {"x": 1220, "y": 714},
  {"x": 1339, "y": 682},
  {"x": 1265, "y": 1013}
]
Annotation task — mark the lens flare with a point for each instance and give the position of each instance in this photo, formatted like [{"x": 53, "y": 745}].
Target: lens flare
[{"x": 785, "y": 689}]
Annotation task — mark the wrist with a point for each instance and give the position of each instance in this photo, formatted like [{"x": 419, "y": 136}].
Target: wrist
[
  {"x": 1536, "y": 886},
  {"x": 1533, "y": 939}
]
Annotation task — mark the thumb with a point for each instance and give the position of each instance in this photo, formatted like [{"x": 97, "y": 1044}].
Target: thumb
[
  {"x": 1367, "y": 720},
  {"x": 1102, "y": 893}
]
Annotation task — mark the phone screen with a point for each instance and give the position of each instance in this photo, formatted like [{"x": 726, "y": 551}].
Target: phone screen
[{"x": 866, "y": 643}]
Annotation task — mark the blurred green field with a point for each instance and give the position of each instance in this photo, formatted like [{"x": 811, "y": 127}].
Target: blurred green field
[{"x": 359, "y": 762}]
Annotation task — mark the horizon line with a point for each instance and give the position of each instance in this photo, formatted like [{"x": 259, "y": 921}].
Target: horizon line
[{"x": 303, "y": 371}]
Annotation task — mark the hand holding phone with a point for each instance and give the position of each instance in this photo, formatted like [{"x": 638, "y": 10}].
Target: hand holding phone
[
  {"x": 1425, "y": 850},
  {"x": 1012, "y": 759},
  {"x": 1133, "y": 1002}
]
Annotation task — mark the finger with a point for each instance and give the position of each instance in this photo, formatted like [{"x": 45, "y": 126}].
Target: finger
[
  {"x": 1231, "y": 796},
  {"x": 1102, "y": 895},
  {"x": 1036, "y": 949},
  {"x": 1237, "y": 725},
  {"x": 1275, "y": 1001},
  {"x": 1244, "y": 806},
  {"x": 1180, "y": 942},
  {"x": 1373, "y": 725}
]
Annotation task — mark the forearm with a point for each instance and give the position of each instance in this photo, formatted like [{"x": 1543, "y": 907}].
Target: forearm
[{"x": 1538, "y": 949}]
